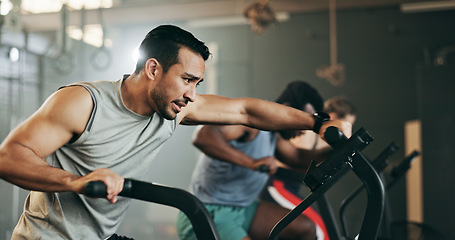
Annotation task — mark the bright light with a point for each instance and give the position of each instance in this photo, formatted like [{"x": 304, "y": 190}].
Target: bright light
[
  {"x": 41, "y": 6},
  {"x": 89, "y": 4},
  {"x": 136, "y": 54},
  {"x": 93, "y": 34},
  {"x": 74, "y": 32},
  {"x": 427, "y": 6},
  {"x": 5, "y": 7},
  {"x": 45, "y": 6},
  {"x": 13, "y": 54}
]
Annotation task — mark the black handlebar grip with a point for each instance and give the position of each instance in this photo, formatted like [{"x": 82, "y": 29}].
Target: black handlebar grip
[
  {"x": 95, "y": 189},
  {"x": 405, "y": 165},
  {"x": 263, "y": 168},
  {"x": 98, "y": 188},
  {"x": 334, "y": 137}
]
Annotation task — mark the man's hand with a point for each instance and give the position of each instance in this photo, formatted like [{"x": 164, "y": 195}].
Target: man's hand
[
  {"x": 114, "y": 182},
  {"x": 270, "y": 162},
  {"x": 344, "y": 127}
]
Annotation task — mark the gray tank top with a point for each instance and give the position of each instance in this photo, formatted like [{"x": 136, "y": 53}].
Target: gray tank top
[
  {"x": 114, "y": 138},
  {"x": 219, "y": 182}
]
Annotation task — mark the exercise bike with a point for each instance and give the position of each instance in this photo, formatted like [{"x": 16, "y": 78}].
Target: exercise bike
[
  {"x": 347, "y": 156},
  {"x": 325, "y": 208},
  {"x": 396, "y": 230},
  {"x": 318, "y": 178}
]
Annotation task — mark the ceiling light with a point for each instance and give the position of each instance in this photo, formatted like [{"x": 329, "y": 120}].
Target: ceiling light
[
  {"x": 427, "y": 6},
  {"x": 93, "y": 34},
  {"x": 88, "y": 4},
  {"x": 41, "y": 6},
  {"x": 46, "y": 6},
  {"x": 5, "y": 7}
]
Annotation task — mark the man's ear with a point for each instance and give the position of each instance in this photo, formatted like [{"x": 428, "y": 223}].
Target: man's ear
[{"x": 151, "y": 68}]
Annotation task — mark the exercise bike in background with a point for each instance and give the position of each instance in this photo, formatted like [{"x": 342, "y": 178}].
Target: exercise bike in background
[{"x": 393, "y": 230}]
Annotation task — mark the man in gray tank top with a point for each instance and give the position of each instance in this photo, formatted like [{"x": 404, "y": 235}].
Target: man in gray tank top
[
  {"x": 100, "y": 131},
  {"x": 227, "y": 181}
]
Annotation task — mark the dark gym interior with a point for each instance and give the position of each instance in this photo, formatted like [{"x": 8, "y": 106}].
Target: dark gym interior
[{"x": 399, "y": 67}]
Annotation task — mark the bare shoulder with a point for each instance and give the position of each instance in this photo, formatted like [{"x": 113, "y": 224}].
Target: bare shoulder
[
  {"x": 62, "y": 117},
  {"x": 69, "y": 107}
]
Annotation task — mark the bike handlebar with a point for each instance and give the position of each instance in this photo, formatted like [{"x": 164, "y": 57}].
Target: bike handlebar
[{"x": 194, "y": 209}]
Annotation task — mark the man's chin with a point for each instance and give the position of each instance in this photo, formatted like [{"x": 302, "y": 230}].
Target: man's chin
[
  {"x": 171, "y": 117},
  {"x": 168, "y": 115}
]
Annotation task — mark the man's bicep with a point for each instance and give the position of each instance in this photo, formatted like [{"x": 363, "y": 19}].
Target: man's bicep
[
  {"x": 61, "y": 117},
  {"x": 40, "y": 136}
]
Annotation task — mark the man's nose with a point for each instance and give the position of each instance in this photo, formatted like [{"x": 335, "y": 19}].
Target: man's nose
[{"x": 190, "y": 94}]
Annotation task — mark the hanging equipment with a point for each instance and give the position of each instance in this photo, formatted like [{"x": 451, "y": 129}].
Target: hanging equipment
[
  {"x": 101, "y": 58},
  {"x": 65, "y": 62}
]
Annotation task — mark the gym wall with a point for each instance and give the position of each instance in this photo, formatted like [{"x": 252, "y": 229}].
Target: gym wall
[{"x": 379, "y": 48}]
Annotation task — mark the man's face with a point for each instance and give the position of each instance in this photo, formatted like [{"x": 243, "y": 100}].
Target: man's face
[{"x": 177, "y": 87}]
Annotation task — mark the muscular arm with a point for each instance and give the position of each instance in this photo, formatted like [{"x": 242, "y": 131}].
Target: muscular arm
[
  {"x": 298, "y": 158},
  {"x": 63, "y": 116},
  {"x": 261, "y": 114},
  {"x": 213, "y": 141}
]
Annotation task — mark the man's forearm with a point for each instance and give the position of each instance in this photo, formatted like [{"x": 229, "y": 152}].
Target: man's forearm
[
  {"x": 20, "y": 166},
  {"x": 272, "y": 116}
]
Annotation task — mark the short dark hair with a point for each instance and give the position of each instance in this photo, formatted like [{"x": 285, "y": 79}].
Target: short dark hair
[
  {"x": 339, "y": 105},
  {"x": 298, "y": 93},
  {"x": 164, "y": 43}
]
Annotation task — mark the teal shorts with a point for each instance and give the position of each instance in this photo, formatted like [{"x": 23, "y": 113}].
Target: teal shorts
[{"x": 232, "y": 223}]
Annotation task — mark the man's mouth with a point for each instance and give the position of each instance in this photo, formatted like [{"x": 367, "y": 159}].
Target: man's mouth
[{"x": 179, "y": 105}]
